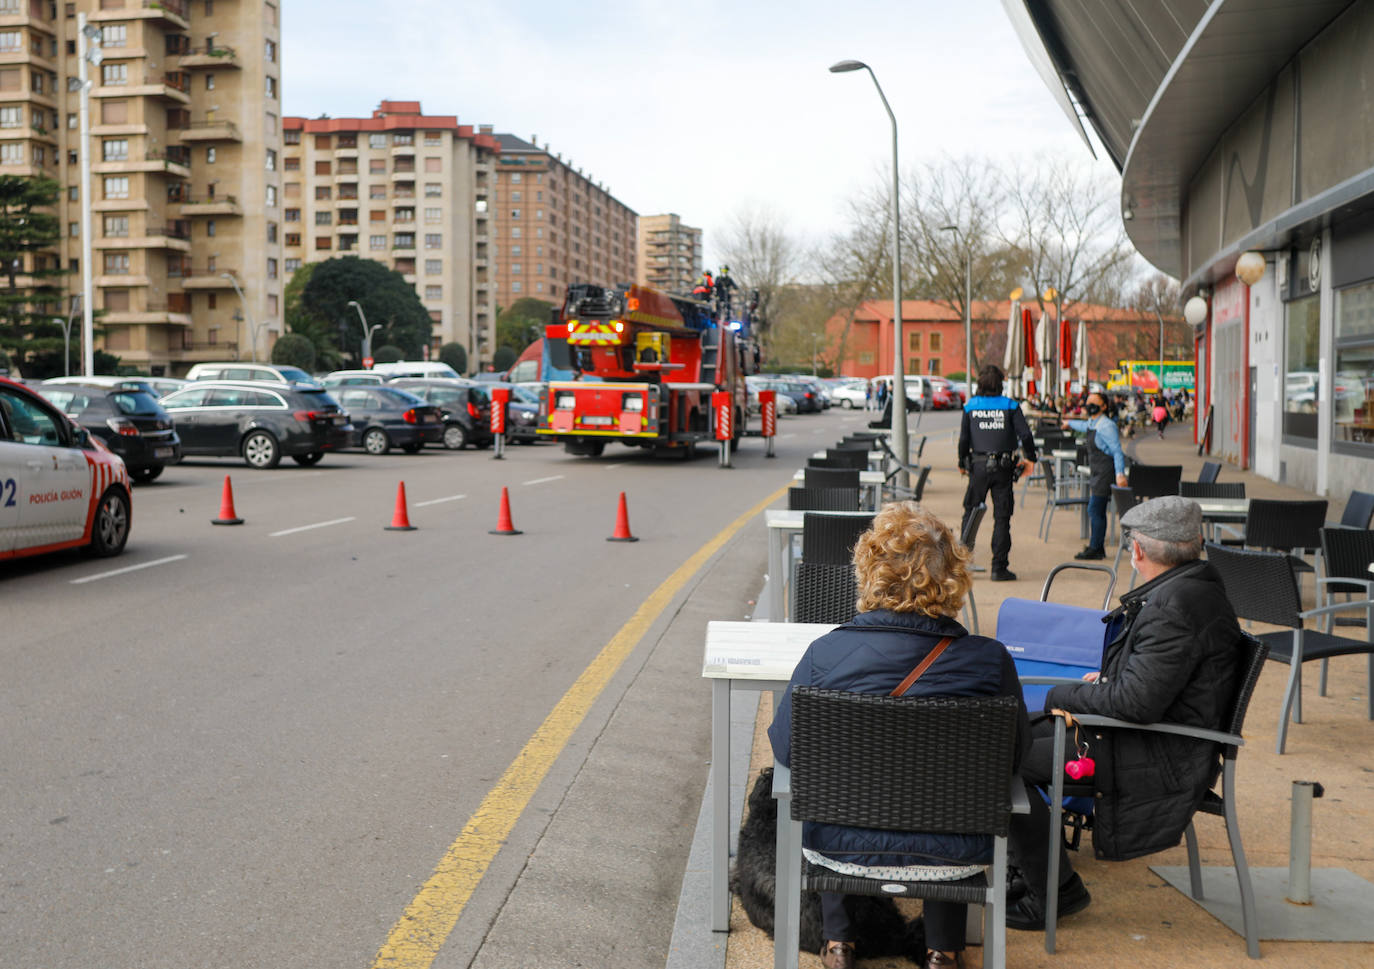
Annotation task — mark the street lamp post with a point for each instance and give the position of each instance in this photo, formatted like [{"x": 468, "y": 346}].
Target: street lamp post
[
  {"x": 899, "y": 435},
  {"x": 86, "y": 35},
  {"x": 968, "y": 308},
  {"x": 252, "y": 327},
  {"x": 367, "y": 331},
  {"x": 67, "y": 335}
]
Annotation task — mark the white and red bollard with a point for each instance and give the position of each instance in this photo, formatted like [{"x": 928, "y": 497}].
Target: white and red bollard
[
  {"x": 723, "y": 407},
  {"x": 768, "y": 407},
  {"x": 500, "y": 398}
]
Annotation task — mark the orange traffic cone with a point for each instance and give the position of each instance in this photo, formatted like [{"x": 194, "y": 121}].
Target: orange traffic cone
[
  {"x": 622, "y": 524},
  {"x": 504, "y": 526},
  {"x": 400, "y": 521},
  {"x": 227, "y": 515}
]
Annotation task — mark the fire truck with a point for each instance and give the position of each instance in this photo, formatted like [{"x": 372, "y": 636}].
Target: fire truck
[{"x": 645, "y": 366}]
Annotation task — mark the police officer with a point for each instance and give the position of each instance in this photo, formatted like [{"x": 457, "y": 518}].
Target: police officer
[{"x": 988, "y": 436}]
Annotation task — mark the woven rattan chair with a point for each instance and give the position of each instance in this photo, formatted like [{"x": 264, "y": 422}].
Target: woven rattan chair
[
  {"x": 1214, "y": 489},
  {"x": 1209, "y": 472},
  {"x": 1154, "y": 480},
  {"x": 1123, "y": 500},
  {"x": 1263, "y": 587},
  {"x": 937, "y": 764},
  {"x": 829, "y": 539},
  {"x": 823, "y": 593},
  {"x": 968, "y": 536},
  {"x": 822, "y": 499},
  {"x": 1346, "y": 554},
  {"x": 1287, "y": 526},
  {"x": 1222, "y": 804},
  {"x": 830, "y": 478},
  {"x": 1358, "y": 513},
  {"x": 1052, "y": 498},
  {"x": 856, "y": 458}
]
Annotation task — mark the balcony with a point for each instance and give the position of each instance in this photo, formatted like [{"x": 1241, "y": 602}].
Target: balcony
[
  {"x": 176, "y": 311},
  {"x": 176, "y": 236},
  {"x": 213, "y": 130},
  {"x": 173, "y": 161},
  {"x": 174, "y": 86},
  {"x": 201, "y": 278},
  {"x": 211, "y": 55},
  {"x": 398, "y": 151},
  {"x": 172, "y": 11},
  {"x": 228, "y": 205}
]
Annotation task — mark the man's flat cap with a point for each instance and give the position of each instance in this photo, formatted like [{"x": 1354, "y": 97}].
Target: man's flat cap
[{"x": 1169, "y": 519}]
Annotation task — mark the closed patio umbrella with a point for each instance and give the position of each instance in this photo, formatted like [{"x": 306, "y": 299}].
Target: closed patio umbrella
[
  {"x": 1081, "y": 356},
  {"x": 1014, "y": 357}
]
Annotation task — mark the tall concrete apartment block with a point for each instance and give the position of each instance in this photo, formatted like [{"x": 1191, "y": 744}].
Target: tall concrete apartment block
[
  {"x": 185, "y": 138},
  {"x": 670, "y": 256},
  {"x": 552, "y": 226},
  {"x": 408, "y": 190}
]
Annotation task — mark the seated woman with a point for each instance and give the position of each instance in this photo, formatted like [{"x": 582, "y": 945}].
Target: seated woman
[{"x": 912, "y": 577}]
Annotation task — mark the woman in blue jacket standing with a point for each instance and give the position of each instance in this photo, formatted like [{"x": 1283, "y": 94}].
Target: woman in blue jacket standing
[{"x": 912, "y": 578}]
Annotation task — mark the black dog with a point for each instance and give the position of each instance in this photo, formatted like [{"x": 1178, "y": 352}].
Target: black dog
[{"x": 881, "y": 929}]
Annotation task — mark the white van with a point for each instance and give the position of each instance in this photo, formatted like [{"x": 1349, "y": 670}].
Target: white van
[{"x": 417, "y": 368}]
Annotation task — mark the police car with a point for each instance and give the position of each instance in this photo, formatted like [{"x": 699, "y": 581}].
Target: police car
[{"x": 59, "y": 487}]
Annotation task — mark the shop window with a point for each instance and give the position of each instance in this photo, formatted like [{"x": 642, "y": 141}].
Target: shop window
[
  {"x": 1301, "y": 386},
  {"x": 1352, "y": 391}
]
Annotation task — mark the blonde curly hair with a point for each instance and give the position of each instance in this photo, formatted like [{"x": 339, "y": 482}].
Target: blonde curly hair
[{"x": 910, "y": 561}]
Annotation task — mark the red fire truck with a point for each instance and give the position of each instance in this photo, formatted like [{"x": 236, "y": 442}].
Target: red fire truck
[{"x": 645, "y": 365}]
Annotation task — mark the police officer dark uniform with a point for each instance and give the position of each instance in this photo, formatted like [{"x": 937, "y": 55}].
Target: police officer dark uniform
[{"x": 992, "y": 427}]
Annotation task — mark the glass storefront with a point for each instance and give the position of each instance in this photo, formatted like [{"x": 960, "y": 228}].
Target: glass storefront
[
  {"x": 1353, "y": 390},
  {"x": 1302, "y": 326}
]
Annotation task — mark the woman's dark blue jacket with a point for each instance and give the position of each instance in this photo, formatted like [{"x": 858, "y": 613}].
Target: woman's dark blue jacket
[{"x": 873, "y": 653}]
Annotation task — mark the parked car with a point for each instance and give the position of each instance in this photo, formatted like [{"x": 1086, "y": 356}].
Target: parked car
[
  {"x": 817, "y": 386},
  {"x": 269, "y": 372},
  {"x": 920, "y": 392},
  {"x": 387, "y": 417},
  {"x": 259, "y": 422},
  {"x": 944, "y": 396},
  {"x": 59, "y": 486},
  {"x": 126, "y": 418},
  {"x": 157, "y": 386},
  {"x": 416, "y": 368},
  {"x": 353, "y": 378},
  {"x": 803, "y": 397},
  {"x": 466, "y": 409},
  {"x": 786, "y": 404},
  {"x": 851, "y": 394}
]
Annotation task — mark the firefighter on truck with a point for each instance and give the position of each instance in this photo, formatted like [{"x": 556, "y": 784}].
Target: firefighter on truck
[{"x": 644, "y": 366}]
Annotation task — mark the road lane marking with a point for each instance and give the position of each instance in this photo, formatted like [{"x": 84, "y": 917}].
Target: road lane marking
[
  {"x": 436, "y": 501},
  {"x": 608, "y": 467},
  {"x": 306, "y": 528},
  {"x": 552, "y": 477},
  {"x": 783, "y": 437},
  {"x": 421, "y": 931},
  {"x": 128, "y": 568}
]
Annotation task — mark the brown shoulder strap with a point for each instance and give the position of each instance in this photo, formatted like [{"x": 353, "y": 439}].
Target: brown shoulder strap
[{"x": 922, "y": 666}]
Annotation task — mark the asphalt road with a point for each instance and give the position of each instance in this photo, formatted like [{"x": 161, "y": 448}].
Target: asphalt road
[{"x": 254, "y": 750}]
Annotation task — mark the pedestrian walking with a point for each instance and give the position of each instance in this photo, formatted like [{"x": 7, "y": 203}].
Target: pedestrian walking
[{"x": 989, "y": 434}]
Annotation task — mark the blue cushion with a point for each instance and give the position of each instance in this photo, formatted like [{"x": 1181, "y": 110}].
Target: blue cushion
[{"x": 1050, "y": 639}]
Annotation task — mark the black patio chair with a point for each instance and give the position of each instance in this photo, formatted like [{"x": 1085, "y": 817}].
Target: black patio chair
[
  {"x": 1223, "y": 804},
  {"x": 1154, "y": 480},
  {"x": 1052, "y": 499},
  {"x": 856, "y": 458},
  {"x": 1293, "y": 527},
  {"x": 1263, "y": 587},
  {"x": 1358, "y": 513},
  {"x": 968, "y": 535},
  {"x": 1346, "y": 555},
  {"x": 1123, "y": 500},
  {"x": 830, "y": 478},
  {"x": 824, "y": 593},
  {"x": 822, "y": 499},
  {"x": 1209, "y": 472},
  {"x": 932, "y": 764},
  {"x": 1212, "y": 489},
  {"x": 829, "y": 539}
]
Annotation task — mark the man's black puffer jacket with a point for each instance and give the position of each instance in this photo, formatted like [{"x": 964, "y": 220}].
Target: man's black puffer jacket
[{"x": 1176, "y": 659}]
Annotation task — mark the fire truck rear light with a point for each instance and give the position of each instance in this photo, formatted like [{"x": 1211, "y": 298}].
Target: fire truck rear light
[
  {"x": 122, "y": 427},
  {"x": 619, "y": 326}
]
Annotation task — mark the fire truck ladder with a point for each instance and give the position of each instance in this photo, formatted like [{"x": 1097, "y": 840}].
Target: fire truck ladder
[{"x": 710, "y": 354}]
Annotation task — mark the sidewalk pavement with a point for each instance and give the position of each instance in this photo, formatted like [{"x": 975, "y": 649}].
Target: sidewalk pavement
[{"x": 1136, "y": 918}]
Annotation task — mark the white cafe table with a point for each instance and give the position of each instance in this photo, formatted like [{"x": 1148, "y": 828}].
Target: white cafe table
[
  {"x": 743, "y": 656},
  {"x": 1218, "y": 510},
  {"x": 870, "y": 481},
  {"x": 782, "y": 524}
]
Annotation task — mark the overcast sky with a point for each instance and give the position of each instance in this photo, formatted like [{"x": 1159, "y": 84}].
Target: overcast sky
[{"x": 698, "y": 109}]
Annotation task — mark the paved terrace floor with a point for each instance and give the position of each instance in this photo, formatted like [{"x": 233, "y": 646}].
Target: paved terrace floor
[{"x": 1136, "y": 918}]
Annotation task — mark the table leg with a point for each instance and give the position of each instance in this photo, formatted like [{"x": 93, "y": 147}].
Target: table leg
[
  {"x": 720, "y": 805},
  {"x": 776, "y": 608}
]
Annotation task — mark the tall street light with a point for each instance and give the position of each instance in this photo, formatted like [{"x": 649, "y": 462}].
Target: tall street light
[
  {"x": 899, "y": 436},
  {"x": 968, "y": 307},
  {"x": 252, "y": 327},
  {"x": 87, "y": 35},
  {"x": 367, "y": 332}
]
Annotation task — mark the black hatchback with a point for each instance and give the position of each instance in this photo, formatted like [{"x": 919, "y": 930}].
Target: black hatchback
[
  {"x": 387, "y": 417},
  {"x": 258, "y": 422},
  {"x": 466, "y": 409},
  {"x": 127, "y": 419}
]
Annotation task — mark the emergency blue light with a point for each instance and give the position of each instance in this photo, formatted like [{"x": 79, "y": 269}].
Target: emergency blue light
[{"x": 734, "y": 324}]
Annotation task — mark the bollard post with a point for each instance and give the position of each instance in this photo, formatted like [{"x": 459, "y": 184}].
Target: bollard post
[
  {"x": 500, "y": 397},
  {"x": 722, "y": 405},
  {"x": 768, "y": 414},
  {"x": 1300, "y": 842}
]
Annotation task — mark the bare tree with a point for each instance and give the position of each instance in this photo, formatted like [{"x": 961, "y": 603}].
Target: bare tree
[{"x": 762, "y": 255}]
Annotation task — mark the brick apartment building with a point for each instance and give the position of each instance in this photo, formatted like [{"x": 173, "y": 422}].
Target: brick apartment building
[
  {"x": 669, "y": 254},
  {"x": 407, "y": 189},
  {"x": 552, "y": 226},
  {"x": 185, "y": 140}
]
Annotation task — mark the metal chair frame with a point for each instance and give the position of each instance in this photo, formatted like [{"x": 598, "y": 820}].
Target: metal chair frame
[
  {"x": 967, "y": 536},
  {"x": 1052, "y": 499}
]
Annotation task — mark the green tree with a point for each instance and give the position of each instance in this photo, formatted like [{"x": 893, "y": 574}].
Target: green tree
[
  {"x": 455, "y": 355},
  {"x": 322, "y": 333},
  {"x": 521, "y": 323},
  {"x": 28, "y": 230},
  {"x": 294, "y": 350},
  {"x": 388, "y": 354},
  {"x": 503, "y": 359},
  {"x": 386, "y": 298}
]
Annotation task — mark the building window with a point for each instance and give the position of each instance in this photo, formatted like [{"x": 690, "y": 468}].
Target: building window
[
  {"x": 515, "y": 286},
  {"x": 271, "y": 269},
  {"x": 376, "y": 191},
  {"x": 434, "y": 240},
  {"x": 11, "y": 41},
  {"x": 293, "y": 239},
  {"x": 209, "y": 82},
  {"x": 271, "y": 87},
  {"x": 324, "y": 218},
  {"x": 1353, "y": 389},
  {"x": 74, "y": 230},
  {"x": 323, "y": 193},
  {"x": 271, "y": 232},
  {"x": 324, "y": 242},
  {"x": 516, "y": 268},
  {"x": 116, "y": 264},
  {"x": 405, "y": 215},
  {"x": 403, "y": 138},
  {"x": 434, "y": 267},
  {"x": 210, "y": 227},
  {"x": 270, "y": 51},
  {"x": 433, "y": 138},
  {"x": 913, "y": 341},
  {"x": 376, "y": 242},
  {"x": 376, "y": 166},
  {"x": 291, "y": 265},
  {"x": 404, "y": 240},
  {"x": 934, "y": 343},
  {"x": 112, "y": 75},
  {"x": 210, "y": 155},
  {"x": 1302, "y": 324},
  {"x": 271, "y": 196},
  {"x": 434, "y": 293},
  {"x": 515, "y": 176},
  {"x": 292, "y": 137},
  {"x": 116, "y": 226},
  {"x": 434, "y": 164},
  {"x": 376, "y": 140},
  {"x": 11, "y": 116},
  {"x": 271, "y": 160},
  {"x": 292, "y": 165},
  {"x": 433, "y": 215},
  {"x": 292, "y": 215},
  {"x": 116, "y": 186}
]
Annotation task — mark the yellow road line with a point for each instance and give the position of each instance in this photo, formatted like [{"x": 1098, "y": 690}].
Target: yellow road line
[{"x": 416, "y": 938}]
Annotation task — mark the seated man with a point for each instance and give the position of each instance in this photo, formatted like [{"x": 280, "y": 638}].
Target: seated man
[{"x": 1173, "y": 654}]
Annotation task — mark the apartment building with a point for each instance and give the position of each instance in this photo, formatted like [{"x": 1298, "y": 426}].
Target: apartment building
[
  {"x": 551, "y": 225},
  {"x": 669, "y": 255},
  {"x": 406, "y": 189},
  {"x": 185, "y": 138}
]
